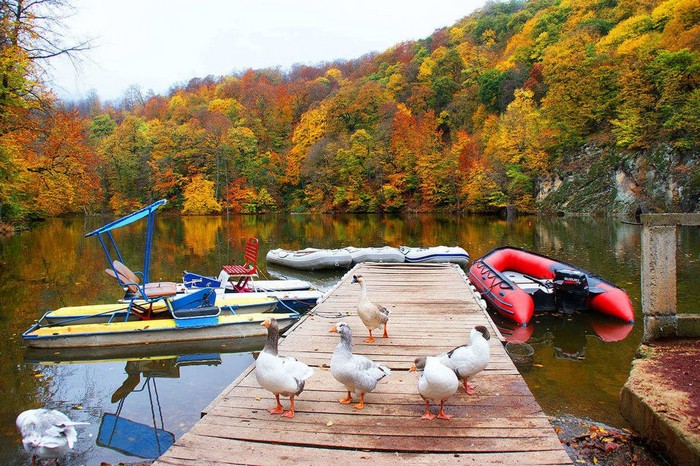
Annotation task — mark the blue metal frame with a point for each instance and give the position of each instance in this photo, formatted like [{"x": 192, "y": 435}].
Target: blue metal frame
[{"x": 147, "y": 212}]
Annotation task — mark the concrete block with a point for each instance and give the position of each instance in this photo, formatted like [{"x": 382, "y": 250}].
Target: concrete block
[
  {"x": 688, "y": 325},
  {"x": 673, "y": 443},
  {"x": 660, "y": 326}
]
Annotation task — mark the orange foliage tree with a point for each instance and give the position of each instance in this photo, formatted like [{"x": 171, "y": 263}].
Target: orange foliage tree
[
  {"x": 61, "y": 166},
  {"x": 423, "y": 173}
]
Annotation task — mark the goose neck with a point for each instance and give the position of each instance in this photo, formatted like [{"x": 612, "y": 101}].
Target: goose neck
[
  {"x": 345, "y": 342},
  {"x": 271, "y": 342}
]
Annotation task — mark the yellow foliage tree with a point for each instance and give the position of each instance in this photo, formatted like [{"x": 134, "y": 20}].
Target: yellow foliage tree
[
  {"x": 199, "y": 198},
  {"x": 334, "y": 74},
  {"x": 426, "y": 69},
  {"x": 121, "y": 205},
  {"x": 229, "y": 107},
  {"x": 682, "y": 28},
  {"x": 520, "y": 149},
  {"x": 581, "y": 93},
  {"x": 311, "y": 129},
  {"x": 178, "y": 109}
]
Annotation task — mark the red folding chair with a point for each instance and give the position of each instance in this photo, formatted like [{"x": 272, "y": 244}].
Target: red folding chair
[{"x": 246, "y": 271}]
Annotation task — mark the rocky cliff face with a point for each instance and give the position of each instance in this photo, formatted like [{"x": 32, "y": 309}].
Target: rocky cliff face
[{"x": 599, "y": 180}]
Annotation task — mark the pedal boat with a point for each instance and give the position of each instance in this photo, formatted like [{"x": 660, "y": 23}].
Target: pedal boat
[
  {"x": 295, "y": 295},
  {"x": 103, "y": 313},
  {"x": 183, "y": 325}
]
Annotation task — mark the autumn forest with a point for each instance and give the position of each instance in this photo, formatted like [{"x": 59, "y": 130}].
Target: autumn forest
[{"x": 541, "y": 106}]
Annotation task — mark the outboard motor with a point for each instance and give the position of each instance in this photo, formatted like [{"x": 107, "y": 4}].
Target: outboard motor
[{"x": 570, "y": 290}]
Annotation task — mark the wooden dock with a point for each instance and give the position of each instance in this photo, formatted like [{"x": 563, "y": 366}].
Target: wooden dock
[{"x": 432, "y": 310}]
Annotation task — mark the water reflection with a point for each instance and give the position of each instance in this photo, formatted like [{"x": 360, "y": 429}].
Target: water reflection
[
  {"x": 53, "y": 265},
  {"x": 565, "y": 334},
  {"x": 182, "y": 350},
  {"x": 136, "y": 438},
  {"x": 144, "y": 402}
]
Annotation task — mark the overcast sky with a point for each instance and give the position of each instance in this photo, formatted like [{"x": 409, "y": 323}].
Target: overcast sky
[{"x": 155, "y": 44}]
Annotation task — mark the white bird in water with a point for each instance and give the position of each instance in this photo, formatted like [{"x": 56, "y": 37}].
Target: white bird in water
[{"x": 47, "y": 433}]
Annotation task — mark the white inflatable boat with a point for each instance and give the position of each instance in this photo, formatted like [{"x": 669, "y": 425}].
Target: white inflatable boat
[
  {"x": 453, "y": 254},
  {"x": 383, "y": 254},
  {"x": 310, "y": 258}
]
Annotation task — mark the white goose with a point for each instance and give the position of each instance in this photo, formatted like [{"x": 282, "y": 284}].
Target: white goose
[
  {"x": 372, "y": 315},
  {"x": 358, "y": 373},
  {"x": 437, "y": 383},
  {"x": 469, "y": 360},
  {"x": 47, "y": 433},
  {"x": 281, "y": 375}
]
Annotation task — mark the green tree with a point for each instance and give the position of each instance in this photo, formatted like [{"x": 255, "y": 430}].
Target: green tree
[
  {"x": 358, "y": 175},
  {"x": 126, "y": 153},
  {"x": 676, "y": 76},
  {"x": 101, "y": 126},
  {"x": 489, "y": 88}
]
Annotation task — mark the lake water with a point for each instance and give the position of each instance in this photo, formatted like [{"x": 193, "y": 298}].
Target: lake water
[{"x": 576, "y": 370}]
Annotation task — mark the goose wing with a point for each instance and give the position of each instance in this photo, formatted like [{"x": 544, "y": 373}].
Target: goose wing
[
  {"x": 468, "y": 360},
  {"x": 296, "y": 368}
]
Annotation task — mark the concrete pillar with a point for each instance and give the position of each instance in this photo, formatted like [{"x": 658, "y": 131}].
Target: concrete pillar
[
  {"x": 659, "y": 272},
  {"x": 659, "y": 281}
]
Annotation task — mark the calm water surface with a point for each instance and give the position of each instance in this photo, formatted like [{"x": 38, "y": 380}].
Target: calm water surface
[{"x": 578, "y": 369}]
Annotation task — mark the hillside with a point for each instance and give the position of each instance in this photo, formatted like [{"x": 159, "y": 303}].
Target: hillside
[{"x": 585, "y": 106}]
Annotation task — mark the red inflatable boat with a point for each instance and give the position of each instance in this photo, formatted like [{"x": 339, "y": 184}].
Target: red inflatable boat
[{"x": 517, "y": 282}]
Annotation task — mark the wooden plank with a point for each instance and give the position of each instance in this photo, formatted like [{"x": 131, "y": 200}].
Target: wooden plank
[
  {"x": 439, "y": 442},
  {"x": 432, "y": 312},
  {"x": 197, "y": 450},
  {"x": 354, "y": 418}
]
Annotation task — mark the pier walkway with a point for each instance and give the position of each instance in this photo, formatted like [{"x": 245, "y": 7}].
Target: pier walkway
[{"x": 432, "y": 311}]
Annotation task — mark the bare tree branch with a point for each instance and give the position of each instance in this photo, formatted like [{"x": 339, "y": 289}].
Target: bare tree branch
[{"x": 32, "y": 32}]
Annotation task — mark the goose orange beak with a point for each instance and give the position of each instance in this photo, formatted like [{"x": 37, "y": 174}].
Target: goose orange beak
[
  {"x": 265, "y": 323},
  {"x": 333, "y": 330},
  {"x": 412, "y": 368}
]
